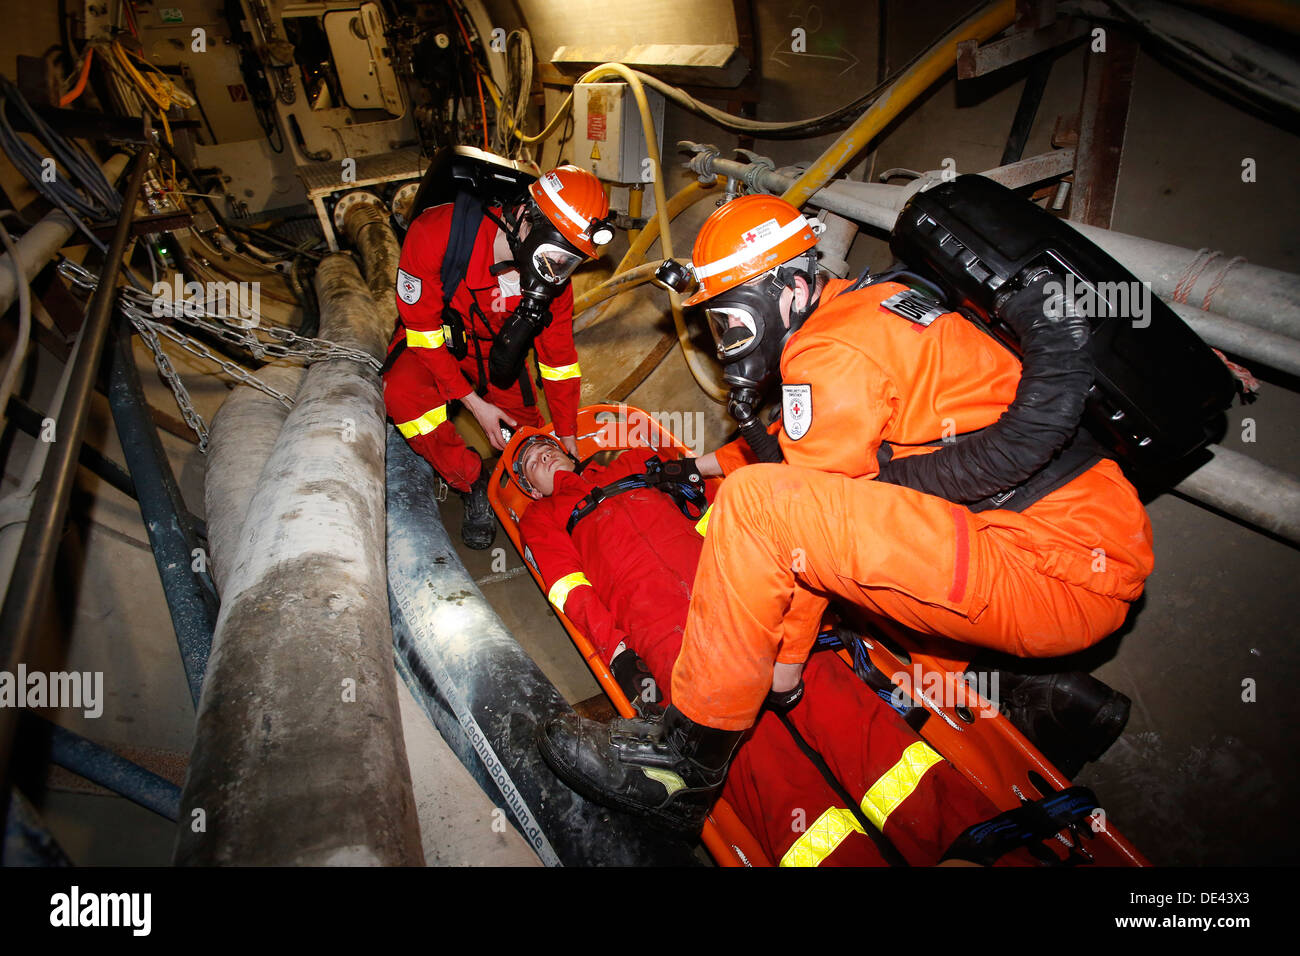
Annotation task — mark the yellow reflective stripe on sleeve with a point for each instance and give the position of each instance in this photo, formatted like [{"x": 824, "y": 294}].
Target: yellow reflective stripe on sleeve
[
  {"x": 425, "y": 423},
  {"x": 702, "y": 526},
  {"x": 559, "y": 592},
  {"x": 425, "y": 340},
  {"x": 560, "y": 373},
  {"x": 898, "y": 782},
  {"x": 820, "y": 840}
]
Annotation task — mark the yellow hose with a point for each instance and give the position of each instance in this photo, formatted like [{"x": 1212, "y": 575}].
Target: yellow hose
[
  {"x": 936, "y": 62},
  {"x": 615, "y": 285},
  {"x": 701, "y": 371},
  {"x": 685, "y": 197}
]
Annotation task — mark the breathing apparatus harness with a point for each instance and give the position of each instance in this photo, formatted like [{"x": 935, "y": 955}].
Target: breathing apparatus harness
[{"x": 545, "y": 260}]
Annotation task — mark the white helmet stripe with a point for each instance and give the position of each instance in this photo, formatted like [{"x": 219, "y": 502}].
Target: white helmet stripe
[
  {"x": 750, "y": 251},
  {"x": 569, "y": 212}
]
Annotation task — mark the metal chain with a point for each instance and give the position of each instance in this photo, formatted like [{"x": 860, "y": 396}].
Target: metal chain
[
  {"x": 140, "y": 308},
  {"x": 168, "y": 373},
  {"x": 232, "y": 330}
]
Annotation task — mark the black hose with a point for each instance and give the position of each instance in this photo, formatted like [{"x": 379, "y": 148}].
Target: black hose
[
  {"x": 764, "y": 444},
  {"x": 742, "y": 405},
  {"x": 1056, "y": 373}
]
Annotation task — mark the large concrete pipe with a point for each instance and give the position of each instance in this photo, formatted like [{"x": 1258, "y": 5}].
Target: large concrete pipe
[
  {"x": 464, "y": 660},
  {"x": 366, "y": 226},
  {"x": 241, "y": 439},
  {"x": 299, "y": 756}
]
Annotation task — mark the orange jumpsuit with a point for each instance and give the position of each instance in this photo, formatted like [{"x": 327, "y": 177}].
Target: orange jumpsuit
[{"x": 783, "y": 539}]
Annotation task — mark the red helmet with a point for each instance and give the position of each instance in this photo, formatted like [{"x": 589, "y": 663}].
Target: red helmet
[
  {"x": 747, "y": 237},
  {"x": 575, "y": 203}
]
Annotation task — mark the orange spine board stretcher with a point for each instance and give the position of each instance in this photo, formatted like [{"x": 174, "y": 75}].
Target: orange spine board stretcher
[
  {"x": 607, "y": 428},
  {"x": 988, "y": 750}
]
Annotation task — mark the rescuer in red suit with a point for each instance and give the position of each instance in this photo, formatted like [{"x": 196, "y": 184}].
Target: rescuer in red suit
[{"x": 515, "y": 287}]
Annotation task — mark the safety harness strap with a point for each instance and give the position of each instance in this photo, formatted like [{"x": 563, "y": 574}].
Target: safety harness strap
[{"x": 687, "y": 495}]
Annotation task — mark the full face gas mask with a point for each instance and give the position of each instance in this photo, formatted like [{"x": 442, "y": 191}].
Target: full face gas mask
[
  {"x": 545, "y": 260},
  {"x": 749, "y": 333}
]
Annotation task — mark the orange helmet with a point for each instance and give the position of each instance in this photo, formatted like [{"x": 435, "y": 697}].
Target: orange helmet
[
  {"x": 747, "y": 237},
  {"x": 575, "y": 203},
  {"x": 516, "y": 450}
]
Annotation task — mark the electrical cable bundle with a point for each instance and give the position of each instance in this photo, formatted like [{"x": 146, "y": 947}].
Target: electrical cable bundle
[
  {"x": 95, "y": 200},
  {"x": 514, "y": 99}
]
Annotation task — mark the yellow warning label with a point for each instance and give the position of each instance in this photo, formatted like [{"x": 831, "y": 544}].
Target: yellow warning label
[{"x": 595, "y": 150}]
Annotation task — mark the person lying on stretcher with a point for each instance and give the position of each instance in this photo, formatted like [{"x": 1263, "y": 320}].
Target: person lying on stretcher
[{"x": 620, "y": 564}]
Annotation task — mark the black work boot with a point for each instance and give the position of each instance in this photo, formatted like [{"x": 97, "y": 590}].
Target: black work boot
[
  {"x": 668, "y": 768},
  {"x": 479, "y": 528},
  {"x": 1071, "y": 717}
]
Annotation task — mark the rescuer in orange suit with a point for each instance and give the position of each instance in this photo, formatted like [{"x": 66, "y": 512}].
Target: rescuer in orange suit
[
  {"x": 620, "y": 565},
  {"x": 865, "y": 375},
  {"x": 515, "y": 286}
]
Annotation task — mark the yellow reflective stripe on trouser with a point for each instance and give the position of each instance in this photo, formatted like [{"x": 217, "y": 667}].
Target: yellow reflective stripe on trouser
[
  {"x": 425, "y": 340},
  {"x": 560, "y": 372},
  {"x": 820, "y": 840},
  {"x": 559, "y": 592},
  {"x": 702, "y": 526},
  {"x": 898, "y": 782},
  {"x": 425, "y": 423}
]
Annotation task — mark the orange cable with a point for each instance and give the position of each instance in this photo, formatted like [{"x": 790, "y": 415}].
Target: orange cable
[
  {"x": 80, "y": 88},
  {"x": 478, "y": 77}
]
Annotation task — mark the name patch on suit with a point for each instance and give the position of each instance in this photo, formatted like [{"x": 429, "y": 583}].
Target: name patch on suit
[
  {"x": 408, "y": 287},
  {"x": 914, "y": 307},
  {"x": 796, "y": 410}
]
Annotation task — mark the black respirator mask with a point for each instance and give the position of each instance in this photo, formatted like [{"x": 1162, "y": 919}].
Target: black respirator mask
[
  {"x": 545, "y": 261},
  {"x": 747, "y": 328}
]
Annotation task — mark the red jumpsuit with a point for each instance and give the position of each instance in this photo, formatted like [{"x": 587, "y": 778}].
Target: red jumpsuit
[
  {"x": 783, "y": 539},
  {"x": 425, "y": 376},
  {"x": 625, "y": 575}
]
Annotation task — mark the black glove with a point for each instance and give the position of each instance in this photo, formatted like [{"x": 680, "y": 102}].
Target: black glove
[
  {"x": 637, "y": 683},
  {"x": 782, "y": 702},
  {"x": 681, "y": 479}
]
